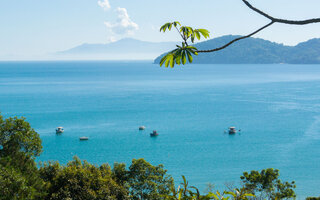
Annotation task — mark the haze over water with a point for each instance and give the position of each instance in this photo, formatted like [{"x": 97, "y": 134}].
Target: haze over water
[{"x": 277, "y": 108}]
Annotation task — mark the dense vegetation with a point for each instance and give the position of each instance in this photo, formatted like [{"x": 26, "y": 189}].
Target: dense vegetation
[
  {"x": 257, "y": 51},
  {"x": 20, "y": 178}
]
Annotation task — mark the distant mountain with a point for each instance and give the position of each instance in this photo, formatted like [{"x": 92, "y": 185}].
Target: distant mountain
[
  {"x": 123, "y": 49},
  {"x": 257, "y": 51}
]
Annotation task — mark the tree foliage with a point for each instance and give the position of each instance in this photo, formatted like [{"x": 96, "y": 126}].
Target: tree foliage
[
  {"x": 313, "y": 198},
  {"x": 186, "y": 192},
  {"x": 14, "y": 185},
  {"x": 147, "y": 181},
  {"x": 267, "y": 184},
  {"x": 16, "y": 135},
  {"x": 19, "y": 145},
  {"x": 80, "y": 180}
]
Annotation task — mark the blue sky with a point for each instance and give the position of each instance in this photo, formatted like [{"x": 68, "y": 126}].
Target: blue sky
[{"x": 35, "y": 27}]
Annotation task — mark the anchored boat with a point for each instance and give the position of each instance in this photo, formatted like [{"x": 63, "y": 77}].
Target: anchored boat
[
  {"x": 59, "y": 130},
  {"x": 84, "y": 138},
  {"x": 232, "y": 130},
  {"x": 154, "y": 133}
]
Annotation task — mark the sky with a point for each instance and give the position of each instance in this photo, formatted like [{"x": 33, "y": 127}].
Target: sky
[{"x": 36, "y": 27}]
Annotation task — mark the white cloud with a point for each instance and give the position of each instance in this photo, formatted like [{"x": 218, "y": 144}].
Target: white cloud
[
  {"x": 123, "y": 25},
  {"x": 104, "y": 4}
]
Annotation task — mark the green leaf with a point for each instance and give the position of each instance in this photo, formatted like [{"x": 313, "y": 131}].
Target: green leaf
[
  {"x": 196, "y": 32},
  {"x": 180, "y": 194},
  {"x": 178, "y": 60},
  {"x": 178, "y": 57},
  {"x": 191, "y": 48},
  {"x": 169, "y": 56},
  {"x": 184, "y": 59},
  {"x": 213, "y": 195},
  {"x": 176, "y": 23},
  {"x": 172, "y": 61},
  {"x": 162, "y": 60},
  {"x": 231, "y": 193},
  {"x": 184, "y": 180},
  {"x": 165, "y": 26},
  {"x": 189, "y": 57},
  {"x": 204, "y": 32},
  {"x": 192, "y": 38}
]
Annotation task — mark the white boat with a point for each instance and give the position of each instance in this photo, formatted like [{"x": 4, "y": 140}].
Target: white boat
[
  {"x": 141, "y": 128},
  {"x": 232, "y": 130},
  {"x": 84, "y": 138},
  {"x": 59, "y": 130}
]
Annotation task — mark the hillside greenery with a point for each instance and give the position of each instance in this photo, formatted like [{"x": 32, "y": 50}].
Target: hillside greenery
[
  {"x": 21, "y": 178},
  {"x": 256, "y": 51}
]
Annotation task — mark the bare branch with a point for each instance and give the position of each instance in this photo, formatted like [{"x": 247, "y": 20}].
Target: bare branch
[
  {"x": 273, "y": 20},
  {"x": 180, "y": 33},
  {"x": 258, "y": 11},
  {"x": 283, "y": 21},
  {"x": 235, "y": 40}
]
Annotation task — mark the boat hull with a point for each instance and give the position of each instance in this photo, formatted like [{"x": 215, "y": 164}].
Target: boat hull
[{"x": 59, "y": 132}]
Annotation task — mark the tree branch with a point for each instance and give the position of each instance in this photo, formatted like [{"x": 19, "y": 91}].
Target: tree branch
[
  {"x": 283, "y": 21},
  {"x": 273, "y": 20},
  {"x": 180, "y": 33},
  {"x": 235, "y": 40}
]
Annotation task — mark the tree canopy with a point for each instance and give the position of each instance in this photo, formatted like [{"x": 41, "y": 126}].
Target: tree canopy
[
  {"x": 267, "y": 184},
  {"x": 16, "y": 135}
]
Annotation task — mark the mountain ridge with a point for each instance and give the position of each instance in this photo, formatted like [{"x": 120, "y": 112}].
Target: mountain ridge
[
  {"x": 247, "y": 51},
  {"x": 256, "y": 51},
  {"x": 126, "y": 48}
]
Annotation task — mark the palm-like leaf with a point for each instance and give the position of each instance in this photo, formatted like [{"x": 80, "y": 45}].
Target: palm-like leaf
[
  {"x": 183, "y": 53},
  {"x": 179, "y": 55},
  {"x": 169, "y": 26}
]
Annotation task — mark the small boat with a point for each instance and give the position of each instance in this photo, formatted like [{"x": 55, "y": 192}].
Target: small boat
[
  {"x": 141, "y": 128},
  {"x": 232, "y": 130},
  {"x": 59, "y": 130},
  {"x": 84, "y": 138},
  {"x": 154, "y": 134}
]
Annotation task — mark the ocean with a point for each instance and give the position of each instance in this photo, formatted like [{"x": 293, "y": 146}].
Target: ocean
[{"x": 277, "y": 108}]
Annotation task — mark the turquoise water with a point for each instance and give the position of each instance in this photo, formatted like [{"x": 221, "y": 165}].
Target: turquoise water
[{"x": 277, "y": 108}]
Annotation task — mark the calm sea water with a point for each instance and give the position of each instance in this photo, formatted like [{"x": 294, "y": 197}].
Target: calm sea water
[{"x": 277, "y": 108}]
